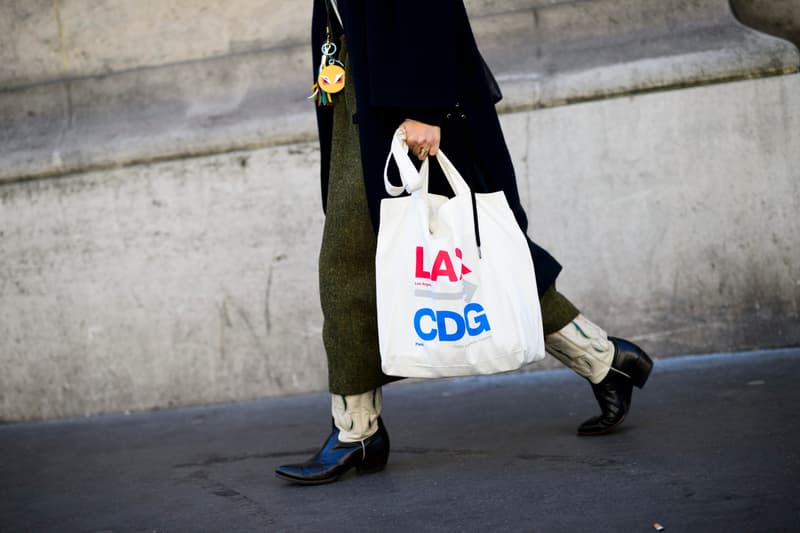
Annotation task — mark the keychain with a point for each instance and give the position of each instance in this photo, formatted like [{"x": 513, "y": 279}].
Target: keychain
[{"x": 330, "y": 79}]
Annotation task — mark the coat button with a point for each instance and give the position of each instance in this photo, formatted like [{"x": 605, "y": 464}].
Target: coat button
[
  {"x": 463, "y": 116},
  {"x": 448, "y": 116},
  {"x": 458, "y": 105}
]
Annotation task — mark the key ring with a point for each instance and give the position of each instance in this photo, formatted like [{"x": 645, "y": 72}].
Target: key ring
[{"x": 328, "y": 48}]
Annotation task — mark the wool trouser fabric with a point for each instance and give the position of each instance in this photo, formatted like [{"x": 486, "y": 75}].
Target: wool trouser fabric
[
  {"x": 347, "y": 261},
  {"x": 557, "y": 310},
  {"x": 347, "y": 265}
]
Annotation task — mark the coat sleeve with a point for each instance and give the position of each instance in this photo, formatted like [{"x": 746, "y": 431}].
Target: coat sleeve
[{"x": 413, "y": 56}]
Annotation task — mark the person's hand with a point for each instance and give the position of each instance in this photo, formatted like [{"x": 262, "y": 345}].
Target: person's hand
[{"x": 422, "y": 139}]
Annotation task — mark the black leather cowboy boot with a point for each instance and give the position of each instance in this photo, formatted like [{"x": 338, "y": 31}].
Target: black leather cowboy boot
[
  {"x": 631, "y": 366},
  {"x": 335, "y": 458}
]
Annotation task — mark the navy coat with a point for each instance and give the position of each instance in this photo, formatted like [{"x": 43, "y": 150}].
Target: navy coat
[{"x": 418, "y": 59}]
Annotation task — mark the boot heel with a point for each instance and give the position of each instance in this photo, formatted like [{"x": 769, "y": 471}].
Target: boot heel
[
  {"x": 643, "y": 365},
  {"x": 372, "y": 464},
  {"x": 365, "y": 468},
  {"x": 633, "y": 361}
]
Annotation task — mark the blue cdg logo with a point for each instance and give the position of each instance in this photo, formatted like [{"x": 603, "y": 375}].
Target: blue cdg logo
[{"x": 449, "y": 325}]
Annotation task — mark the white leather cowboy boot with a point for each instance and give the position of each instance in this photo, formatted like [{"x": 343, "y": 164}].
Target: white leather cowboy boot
[
  {"x": 612, "y": 366},
  {"x": 584, "y": 347}
]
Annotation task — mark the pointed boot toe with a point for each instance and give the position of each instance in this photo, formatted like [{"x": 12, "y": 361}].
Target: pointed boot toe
[{"x": 613, "y": 394}]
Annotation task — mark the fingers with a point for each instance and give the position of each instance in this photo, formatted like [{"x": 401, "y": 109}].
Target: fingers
[{"x": 422, "y": 139}]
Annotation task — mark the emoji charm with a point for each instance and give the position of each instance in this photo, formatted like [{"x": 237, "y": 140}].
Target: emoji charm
[{"x": 330, "y": 79}]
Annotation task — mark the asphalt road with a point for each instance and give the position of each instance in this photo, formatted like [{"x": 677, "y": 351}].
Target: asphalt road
[{"x": 712, "y": 444}]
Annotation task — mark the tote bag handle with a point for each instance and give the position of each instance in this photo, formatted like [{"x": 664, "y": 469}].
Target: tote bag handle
[{"x": 414, "y": 180}]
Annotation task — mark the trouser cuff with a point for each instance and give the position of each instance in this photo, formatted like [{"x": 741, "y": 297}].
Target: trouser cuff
[
  {"x": 356, "y": 415},
  {"x": 584, "y": 347}
]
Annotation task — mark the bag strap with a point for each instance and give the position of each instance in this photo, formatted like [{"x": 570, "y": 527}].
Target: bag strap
[
  {"x": 457, "y": 183},
  {"x": 414, "y": 180},
  {"x": 332, "y": 4}
]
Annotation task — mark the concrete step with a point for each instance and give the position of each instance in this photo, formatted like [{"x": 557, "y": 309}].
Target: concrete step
[
  {"x": 239, "y": 78},
  {"x": 44, "y": 41}
]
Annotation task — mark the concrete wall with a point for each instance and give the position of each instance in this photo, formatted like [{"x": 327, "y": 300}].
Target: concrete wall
[
  {"x": 193, "y": 281},
  {"x": 676, "y": 212},
  {"x": 156, "y": 285},
  {"x": 152, "y": 257}
]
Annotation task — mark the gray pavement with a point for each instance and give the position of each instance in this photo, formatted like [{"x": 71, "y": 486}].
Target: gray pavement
[{"x": 711, "y": 445}]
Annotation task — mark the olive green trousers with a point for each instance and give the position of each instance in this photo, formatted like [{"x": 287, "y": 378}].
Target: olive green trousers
[{"x": 347, "y": 265}]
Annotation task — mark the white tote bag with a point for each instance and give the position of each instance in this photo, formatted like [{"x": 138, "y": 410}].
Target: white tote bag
[{"x": 447, "y": 305}]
